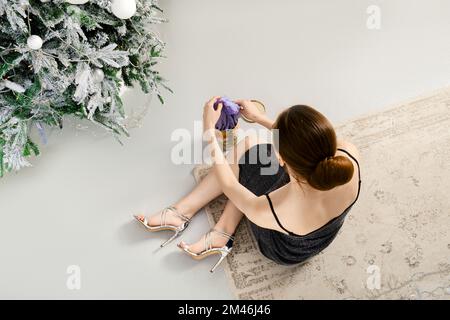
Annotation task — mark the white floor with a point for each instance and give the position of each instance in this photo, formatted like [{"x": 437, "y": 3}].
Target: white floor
[{"x": 74, "y": 206}]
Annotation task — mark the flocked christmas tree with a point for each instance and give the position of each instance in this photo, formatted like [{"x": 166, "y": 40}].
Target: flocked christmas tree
[{"x": 71, "y": 57}]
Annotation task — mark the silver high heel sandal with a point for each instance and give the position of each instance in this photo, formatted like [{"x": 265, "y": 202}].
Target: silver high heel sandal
[
  {"x": 163, "y": 226},
  {"x": 209, "y": 250}
]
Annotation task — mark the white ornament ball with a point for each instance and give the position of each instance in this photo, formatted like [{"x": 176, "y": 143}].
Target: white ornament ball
[
  {"x": 34, "y": 42},
  {"x": 77, "y": 1},
  {"x": 45, "y": 1},
  {"x": 123, "y": 9},
  {"x": 98, "y": 75},
  {"x": 73, "y": 9}
]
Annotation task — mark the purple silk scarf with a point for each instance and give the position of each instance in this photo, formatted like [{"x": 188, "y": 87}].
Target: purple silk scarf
[{"x": 229, "y": 116}]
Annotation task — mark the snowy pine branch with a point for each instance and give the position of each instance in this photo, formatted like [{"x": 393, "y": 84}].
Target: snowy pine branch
[{"x": 76, "y": 64}]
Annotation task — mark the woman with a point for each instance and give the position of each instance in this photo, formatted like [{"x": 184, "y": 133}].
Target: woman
[{"x": 294, "y": 212}]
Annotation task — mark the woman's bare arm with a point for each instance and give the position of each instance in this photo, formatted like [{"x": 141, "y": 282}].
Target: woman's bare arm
[
  {"x": 242, "y": 198},
  {"x": 251, "y": 111},
  {"x": 265, "y": 121}
]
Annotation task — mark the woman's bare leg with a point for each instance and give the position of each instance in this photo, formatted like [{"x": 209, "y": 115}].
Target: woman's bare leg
[
  {"x": 207, "y": 190},
  {"x": 228, "y": 222}
]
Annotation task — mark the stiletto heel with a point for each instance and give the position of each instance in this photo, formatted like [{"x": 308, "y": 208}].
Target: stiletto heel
[
  {"x": 164, "y": 226},
  {"x": 175, "y": 235},
  {"x": 222, "y": 257},
  {"x": 209, "y": 250}
]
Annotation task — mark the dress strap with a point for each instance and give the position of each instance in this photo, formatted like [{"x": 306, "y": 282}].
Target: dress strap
[
  {"x": 359, "y": 172},
  {"x": 275, "y": 216}
]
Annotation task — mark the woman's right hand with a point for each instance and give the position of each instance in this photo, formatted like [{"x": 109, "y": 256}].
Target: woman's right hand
[
  {"x": 249, "y": 110},
  {"x": 252, "y": 112}
]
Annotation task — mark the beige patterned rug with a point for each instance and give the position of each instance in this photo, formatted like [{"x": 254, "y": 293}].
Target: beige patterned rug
[{"x": 398, "y": 231}]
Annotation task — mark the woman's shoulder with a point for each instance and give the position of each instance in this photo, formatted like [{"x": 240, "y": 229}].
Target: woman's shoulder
[
  {"x": 350, "y": 190},
  {"x": 350, "y": 148}
]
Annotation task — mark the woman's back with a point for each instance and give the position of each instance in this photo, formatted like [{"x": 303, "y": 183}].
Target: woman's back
[
  {"x": 297, "y": 224},
  {"x": 301, "y": 211}
]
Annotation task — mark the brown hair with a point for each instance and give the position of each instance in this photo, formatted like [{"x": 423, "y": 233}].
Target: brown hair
[{"x": 307, "y": 143}]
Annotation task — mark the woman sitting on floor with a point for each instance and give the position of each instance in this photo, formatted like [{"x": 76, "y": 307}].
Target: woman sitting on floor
[{"x": 295, "y": 211}]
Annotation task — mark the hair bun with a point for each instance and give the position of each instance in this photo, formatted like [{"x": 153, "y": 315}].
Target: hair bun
[{"x": 331, "y": 172}]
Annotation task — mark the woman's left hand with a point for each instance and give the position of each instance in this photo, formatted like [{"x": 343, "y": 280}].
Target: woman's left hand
[{"x": 211, "y": 116}]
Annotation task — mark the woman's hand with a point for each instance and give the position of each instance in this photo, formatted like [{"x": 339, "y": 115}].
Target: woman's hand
[
  {"x": 249, "y": 110},
  {"x": 211, "y": 116}
]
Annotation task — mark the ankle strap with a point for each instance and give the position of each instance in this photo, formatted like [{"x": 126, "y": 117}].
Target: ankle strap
[
  {"x": 223, "y": 233},
  {"x": 208, "y": 242},
  {"x": 174, "y": 212}
]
